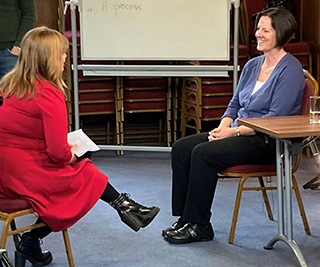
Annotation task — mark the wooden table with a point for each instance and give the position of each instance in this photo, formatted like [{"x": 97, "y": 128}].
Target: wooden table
[{"x": 288, "y": 132}]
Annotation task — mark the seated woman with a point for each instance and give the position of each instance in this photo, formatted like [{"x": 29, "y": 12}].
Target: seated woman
[
  {"x": 270, "y": 85},
  {"x": 36, "y": 161}
]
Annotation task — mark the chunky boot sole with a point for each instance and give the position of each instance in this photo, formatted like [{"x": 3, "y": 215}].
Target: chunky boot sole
[
  {"x": 147, "y": 219},
  {"x": 136, "y": 221},
  {"x": 20, "y": 260},
  {"x": 132, "y": 221}
]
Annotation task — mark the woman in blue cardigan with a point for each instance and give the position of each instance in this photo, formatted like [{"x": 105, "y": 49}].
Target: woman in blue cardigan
[{"x": 270, "y": 85}]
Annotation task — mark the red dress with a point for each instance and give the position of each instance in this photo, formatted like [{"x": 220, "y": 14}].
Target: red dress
[{"x": 34, "y": 156}]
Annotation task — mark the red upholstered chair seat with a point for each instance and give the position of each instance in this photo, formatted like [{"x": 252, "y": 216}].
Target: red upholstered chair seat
[
  {"x": 210, "y": 114},
  {"x": 251, "y": 168},
  {"x": 9, "y": 205},
  {"x": 209, "y": 87},
  {"x": 145, "y": 107},
  {"x": 68, "y": 35},
  {"x": 301, "y": 50},
  {"x": 136, "y": 83},
  {"x": 12, "y": 208},
  {"x": 292, "y": 48},
  {"x": 297, "y": 47}
]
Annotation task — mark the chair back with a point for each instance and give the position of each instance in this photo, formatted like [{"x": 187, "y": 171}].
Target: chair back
[
  {"x": 311, "y": 89},
  {"x": 250, "y": 8}
]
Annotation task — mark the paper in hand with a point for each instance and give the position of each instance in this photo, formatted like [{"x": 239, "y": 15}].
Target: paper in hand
[{"x": 84, "y": 143}]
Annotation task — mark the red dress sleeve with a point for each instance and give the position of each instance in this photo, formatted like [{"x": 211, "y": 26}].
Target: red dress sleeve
[{"x": 53, "y": 113}]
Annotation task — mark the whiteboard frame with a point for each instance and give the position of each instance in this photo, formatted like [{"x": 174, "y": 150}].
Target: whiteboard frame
[
  {"x": 171, "y": 30},
  {"x": 140, "y": 70}
]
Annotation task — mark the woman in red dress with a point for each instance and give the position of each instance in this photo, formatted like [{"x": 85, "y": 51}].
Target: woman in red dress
[{"x": 36, "y": 161}]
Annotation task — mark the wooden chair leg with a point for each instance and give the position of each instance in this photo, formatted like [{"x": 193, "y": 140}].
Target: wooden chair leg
[
  {"x": 68, "y": 247},
  {"x": 108, "y": 132},
  {"x": 4, "y": 234},
  {"x": 300, "y": 204},
  {"x": 160, "y": 132},
  {"x": 265, "y": 198},
  {"x": 5, "y": 259},
  {"x": 236, "y": 210},
  {"x": 183, "y": 126}
]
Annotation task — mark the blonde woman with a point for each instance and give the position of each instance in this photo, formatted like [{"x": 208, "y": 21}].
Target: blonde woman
[{"x": 36, "y": 161}]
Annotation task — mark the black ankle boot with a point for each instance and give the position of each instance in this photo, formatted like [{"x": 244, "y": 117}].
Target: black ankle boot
[
  {"x": 133, "y": 214},
  {"x": 29, "y": 249}
]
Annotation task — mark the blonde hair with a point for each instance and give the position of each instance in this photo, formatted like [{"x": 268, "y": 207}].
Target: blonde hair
[{"x": 40, "y": 59}]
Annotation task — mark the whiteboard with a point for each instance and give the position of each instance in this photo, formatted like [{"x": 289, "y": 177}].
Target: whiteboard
[{"x": 155, "y": 29}]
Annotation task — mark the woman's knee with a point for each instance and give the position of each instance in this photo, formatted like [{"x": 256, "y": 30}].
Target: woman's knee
[
  {"x": 207, "y": 148},
  {"x": 184, "y": 146},
  {"x": 179, "y": 147},
  {"x": 208, "y": 153}
]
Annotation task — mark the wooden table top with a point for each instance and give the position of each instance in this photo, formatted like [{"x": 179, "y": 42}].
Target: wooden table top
[{"x": 283, "y": 127}]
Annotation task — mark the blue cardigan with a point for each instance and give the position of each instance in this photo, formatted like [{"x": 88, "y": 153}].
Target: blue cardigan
[{"x": 281, "y": 94}]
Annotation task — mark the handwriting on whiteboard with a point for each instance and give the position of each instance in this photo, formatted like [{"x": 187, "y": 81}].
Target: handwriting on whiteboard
[
  {"x": 127, "y": 7},
  {"x": 116, "y": 8}
]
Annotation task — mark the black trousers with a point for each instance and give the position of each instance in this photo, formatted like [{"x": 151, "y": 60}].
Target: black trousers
[
  {"x": 108, "y": 195},
  {"x": 196, "y": 163}
]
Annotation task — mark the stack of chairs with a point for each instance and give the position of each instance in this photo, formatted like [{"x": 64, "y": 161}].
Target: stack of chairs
[
  {"x": 145, "y": 106},
  {"x": 115, "y": 108},
  {"x": 206, "y": 99},
  {"x": 97, "y": 94}
]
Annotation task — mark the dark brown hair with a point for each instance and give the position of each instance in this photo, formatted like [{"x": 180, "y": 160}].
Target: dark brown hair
[{"x": 282, "y": 22}]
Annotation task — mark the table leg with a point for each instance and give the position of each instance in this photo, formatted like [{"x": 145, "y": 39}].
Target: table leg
[{"x": 285, "y": 207}]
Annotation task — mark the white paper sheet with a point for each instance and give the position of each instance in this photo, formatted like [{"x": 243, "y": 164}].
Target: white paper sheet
[{"x": 83, "y": 141}]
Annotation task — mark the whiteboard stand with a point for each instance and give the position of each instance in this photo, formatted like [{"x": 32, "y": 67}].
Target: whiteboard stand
[{"x": 147, "y": 70}]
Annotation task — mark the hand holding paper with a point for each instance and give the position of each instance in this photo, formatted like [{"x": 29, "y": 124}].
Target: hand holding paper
[{"x": 84, "y": 143}]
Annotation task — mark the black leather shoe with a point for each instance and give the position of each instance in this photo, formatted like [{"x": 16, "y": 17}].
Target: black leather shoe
[
  {"x": 190, "y": 233},
  {"x": 29, "y": 249},
  {"x": 133, "y": 214},
  {"x": 177, "y": 225}
]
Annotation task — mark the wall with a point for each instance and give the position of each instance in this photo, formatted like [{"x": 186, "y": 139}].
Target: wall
[
  {"x": 310, "y": 31},
  {"x": 306, "y": 12},
  {"x": 47, "y": 11}
]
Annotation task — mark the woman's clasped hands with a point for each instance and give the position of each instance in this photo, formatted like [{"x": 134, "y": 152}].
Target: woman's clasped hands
[{"x": 220, "y": 133}]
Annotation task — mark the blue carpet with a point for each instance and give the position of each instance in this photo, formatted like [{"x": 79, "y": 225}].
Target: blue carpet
[{"x": 101, "y": 239}]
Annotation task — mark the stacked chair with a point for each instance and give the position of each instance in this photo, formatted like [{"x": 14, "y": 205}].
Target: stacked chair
[
  {"x": 115, "y": 108},
  {"x": 206, "y": 99},
  {"x": 97, "y": 94},
  {"x": 151, "y": 98}
]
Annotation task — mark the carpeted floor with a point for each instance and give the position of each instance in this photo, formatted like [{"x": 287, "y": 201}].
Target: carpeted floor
[{"x": 100, "y": 239}]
